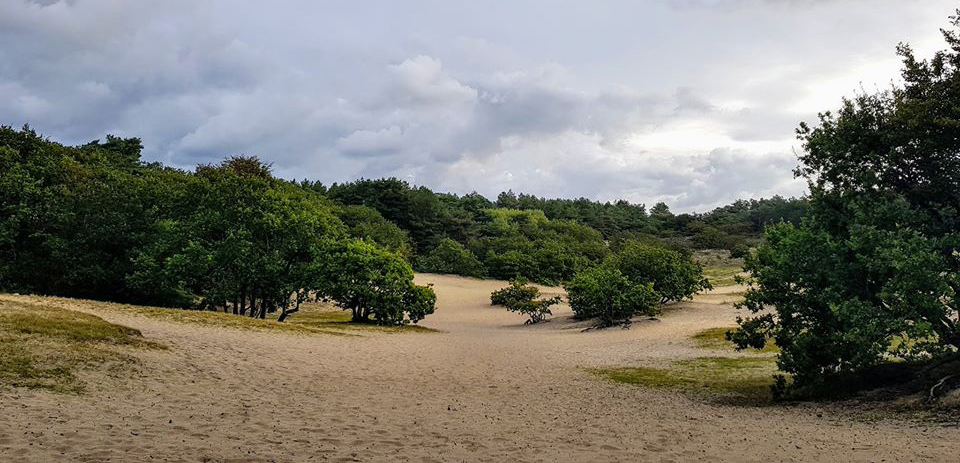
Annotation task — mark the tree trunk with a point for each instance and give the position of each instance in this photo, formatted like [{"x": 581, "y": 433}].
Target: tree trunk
[
  {"x": 286, "y": 313},
  {"x": 243, "y": 300}
]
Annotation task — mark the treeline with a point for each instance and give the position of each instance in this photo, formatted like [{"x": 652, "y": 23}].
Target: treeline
[
  {"x": 543, "y": 240},
  {"x": 94, "y": 221}
]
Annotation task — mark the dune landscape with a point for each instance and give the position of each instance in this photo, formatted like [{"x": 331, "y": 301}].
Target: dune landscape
[
  {"x": 483, "y": 387},
  {"x": 479, "y": 231}
]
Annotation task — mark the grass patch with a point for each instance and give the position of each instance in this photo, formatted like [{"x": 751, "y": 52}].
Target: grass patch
[
  {"x": 311, "y": 319},
  {"x": 722, "y": 275},
  {"x": 716, "y": 338},
  {"x": 718, "y": 266},
  {"x": 742, "y": 378},
  {"x": 44, "y": 347}
]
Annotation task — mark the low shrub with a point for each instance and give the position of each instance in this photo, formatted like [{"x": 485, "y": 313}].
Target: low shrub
[
  {"x": 606, "y": 294},
  {"x": 525, "y": 299},
  {"x": 518, "y": 290}
]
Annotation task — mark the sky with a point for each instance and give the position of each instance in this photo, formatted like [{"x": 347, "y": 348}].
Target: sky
[{"x": 690, "y": 102}]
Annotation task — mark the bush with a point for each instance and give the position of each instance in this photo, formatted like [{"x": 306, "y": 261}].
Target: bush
[
  {"x": 525, "y": 299},
  {"x": 607, "y": 294},
  {"x": 451, "y": 257},
  {"x": 674, "y": 276},
  {"x": 712, "y": 238},
  {"x": 739, "y": 251},
  {"x": 536, "y": 310},
  {"x": 517, "y": 291}
]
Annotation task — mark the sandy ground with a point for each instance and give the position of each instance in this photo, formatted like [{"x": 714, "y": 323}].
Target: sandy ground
[{"x": 487, "y": 388}]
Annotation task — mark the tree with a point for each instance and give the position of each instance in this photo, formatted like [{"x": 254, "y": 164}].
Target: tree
[
  {"x": 674, "y": 276},
  {"x": 661, "y": 211},
  {"x": 367, "y": 223},
  {"x": 244, "y": 244},
  {"x": 875, "y": 259},
  {"x": 606, "y": 294},
  {"x": 374, "y": 284},
  {"x": 451, "y": 257}
]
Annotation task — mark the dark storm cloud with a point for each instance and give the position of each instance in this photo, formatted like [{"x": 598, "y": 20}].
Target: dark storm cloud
[{"x": 688, "y": 101}]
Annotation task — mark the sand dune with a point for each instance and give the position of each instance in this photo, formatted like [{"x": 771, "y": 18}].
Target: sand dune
[{"x": 486, "y": 388}]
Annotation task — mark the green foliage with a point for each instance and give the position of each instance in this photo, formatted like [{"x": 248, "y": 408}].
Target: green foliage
[
  {"x": 71, "y": 218},
  {"x": 549, "y": 240},
  {"x": 875, "y": 260},
  {"x": 674, "y": 276},
  {"x": 713, "y": 238},
  {"x": 606, "y": 294},
  {"x": 418, "y": 211},
  {"x": 518, "y": 290},
  {"x": 525, "y": 299},
  {"x": 536, "y": 310},
  {"x": 374, "y": 284},
  {"x": 739, "y": 251},
  {"x": 245, "y": 244},
  {"x": 451, "y": 257},
  {"x": 93, "y": 221},
  {"x": 526, "y": 244},
  {"x": 368, "y": 224}
]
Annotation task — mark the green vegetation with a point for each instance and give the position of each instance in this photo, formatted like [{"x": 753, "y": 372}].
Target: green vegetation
[
  {"x": 93, "y": 221},
  {"x": 748, "y": 378},
  {"x": 875, "y": 258},
  {"x": 635, "y": 280},
  {"x": 453, "y": 258},
  {"x": 719, "y": 267},
  {"x": 674, "y": 275},
  {"x": 525, "y": 299},
  {"x": 717, "y": 339},
  {"x": 545, "y": 240},
  {"x": 44, "y": 347},
  {"x": 371, "y": 283},
  {"x": 606, "y": 294},
  {"x": 366, "y": 223}
]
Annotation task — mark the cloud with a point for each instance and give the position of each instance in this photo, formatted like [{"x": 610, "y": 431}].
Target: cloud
[{"x": 692, "y": 102}]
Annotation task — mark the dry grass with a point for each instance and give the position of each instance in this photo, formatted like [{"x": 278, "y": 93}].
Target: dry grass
[
  {"x": 719, "y": 267},
  {"x": 45, "y": 347},
  {"x": 744, "y": 378},
  {"x": 328, "y": 317},
  {"x": 312, "y": 318}
]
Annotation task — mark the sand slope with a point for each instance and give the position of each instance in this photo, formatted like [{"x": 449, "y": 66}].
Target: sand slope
[{"x": 485, "y": 389}]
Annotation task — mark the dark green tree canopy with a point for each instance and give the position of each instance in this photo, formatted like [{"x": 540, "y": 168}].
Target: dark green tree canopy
[{"x": 875, "y": 263}]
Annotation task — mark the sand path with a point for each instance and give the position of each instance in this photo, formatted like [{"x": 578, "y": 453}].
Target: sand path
[{"x": 485, "y": 389}]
